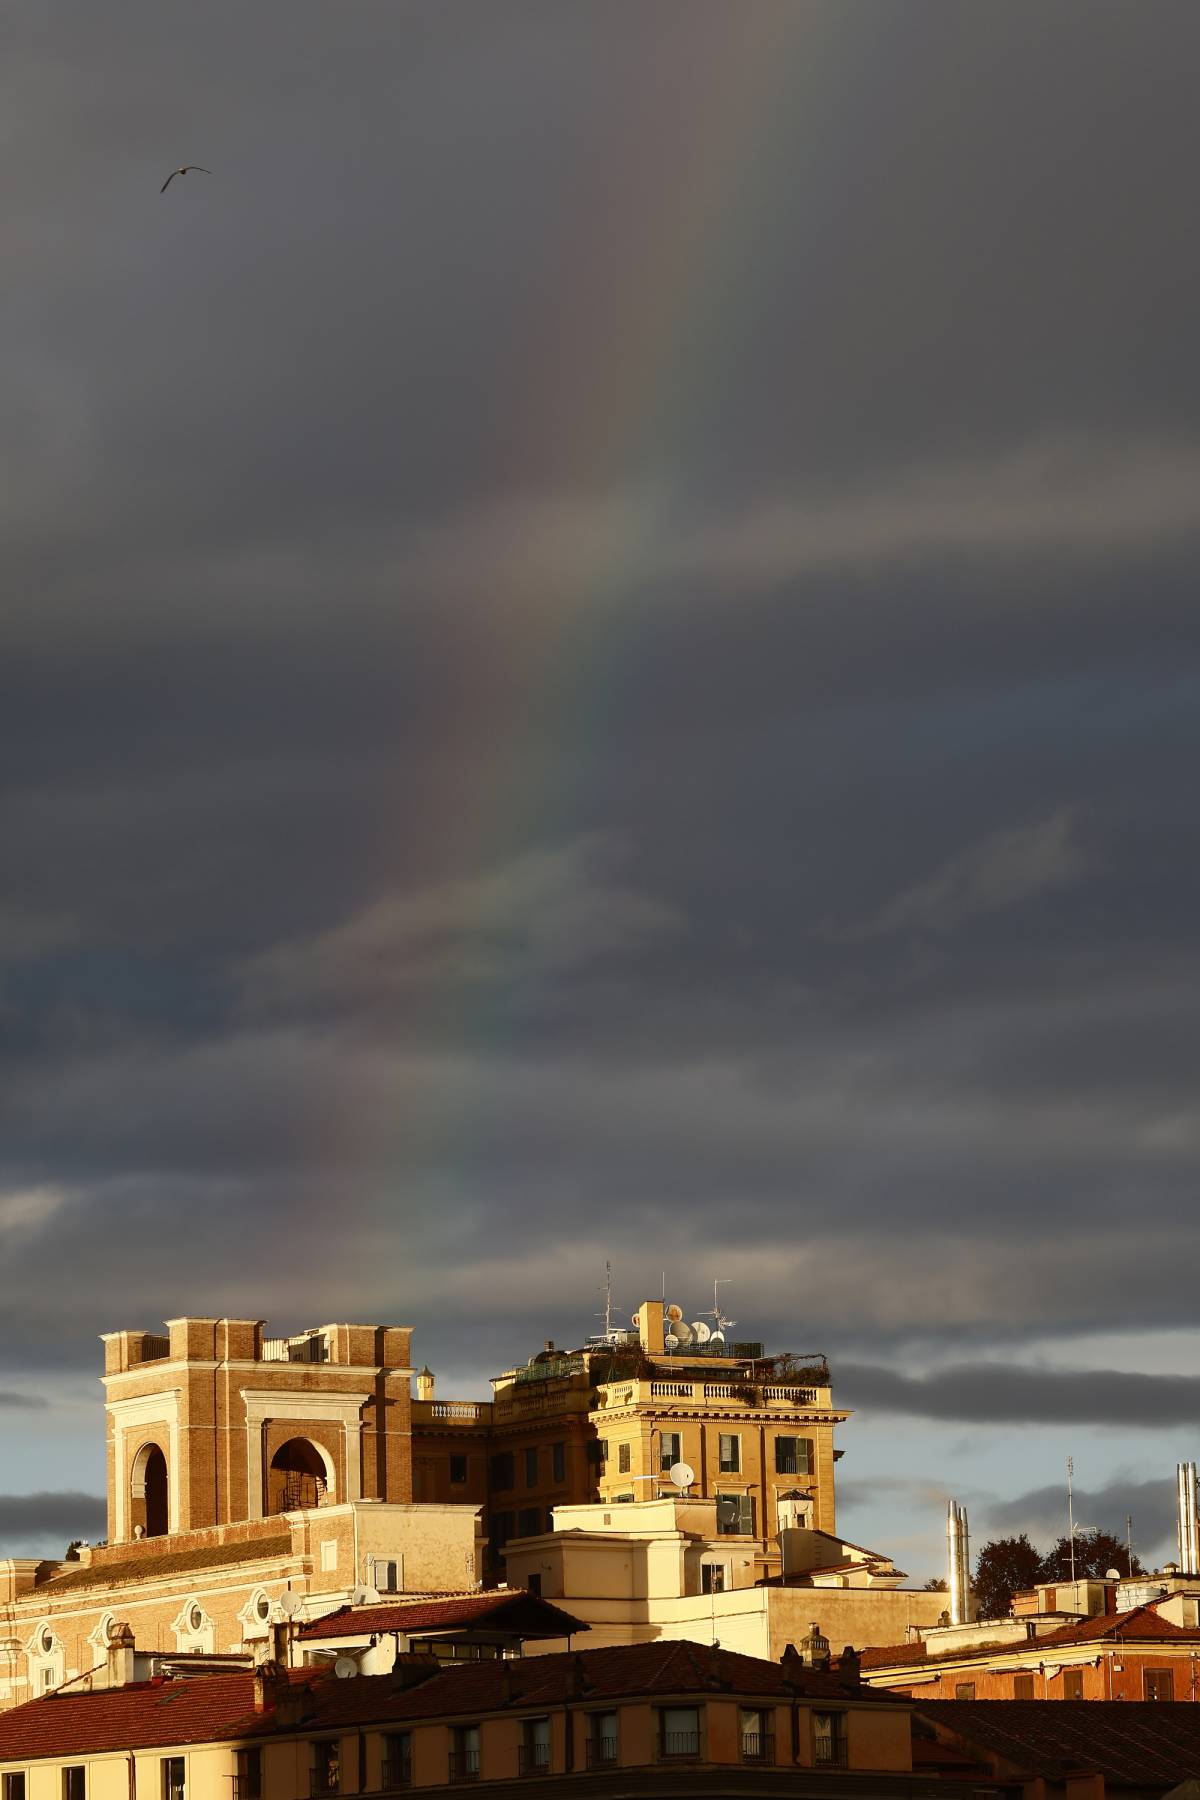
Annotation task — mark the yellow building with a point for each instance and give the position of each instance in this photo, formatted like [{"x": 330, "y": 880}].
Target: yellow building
[
  {"x": 629, "y": 1721},
  {"x": 612, "y": 1421}
]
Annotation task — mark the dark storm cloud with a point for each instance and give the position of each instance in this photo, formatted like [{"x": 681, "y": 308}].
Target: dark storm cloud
[
  {"x": 600, "y": 648},
  {"x": 64, "y": 1515},
  {"x": 20, "y": 1402},
  {"x": 1041, "y": 1512},
  {"x": 985, "y": 1393}
]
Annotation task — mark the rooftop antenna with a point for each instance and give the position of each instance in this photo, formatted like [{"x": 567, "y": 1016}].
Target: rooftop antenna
[
  {"x": 1129, "y": 1544},
  {"x": 606, "y": 1290},
  {"x": 721, "y": 1322},
  {"x": 1071, "y": 1512}
]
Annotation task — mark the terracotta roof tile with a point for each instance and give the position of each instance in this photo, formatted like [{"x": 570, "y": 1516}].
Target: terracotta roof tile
[
  {"x": 516, "y": 1610},
  {"x": 169, "y": 1562},
  {"x": 214, "y": 1708},
  {"x": 1141, "y": 1624},
  {"x": 1142, "y": 1743}
]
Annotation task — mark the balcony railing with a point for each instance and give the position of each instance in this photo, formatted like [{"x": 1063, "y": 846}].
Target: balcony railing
[
  {"x": 533, "y": 1759},
  {"x": 464, "y": 1765},
  {"x": 679, "y": 1746},
  {"x": 671, "y": 1390},
  {"x": 322, "y": 1782},
  {"x": 793, "y": 1395},
  {"x": 303, "y": 1349},
  {"x": 831, "y": 1753},
  {"x": 396, "y": 1773},
  {"x": 247, "y": 1787},
  {"x": 758, "y": 1747},
  {"x": 729, "y": 1390},
  {"x": 601, "y": 1752}
]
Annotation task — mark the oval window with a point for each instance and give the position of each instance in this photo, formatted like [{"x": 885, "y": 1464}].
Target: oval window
[
  {"x": 47, "y": 1641},
  {"x": 263, "y": 1608},
  {"x": 195, "y": 1618}
]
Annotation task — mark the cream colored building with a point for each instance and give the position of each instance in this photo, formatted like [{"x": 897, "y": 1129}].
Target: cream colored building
[{"x": 662, "y": 1569}]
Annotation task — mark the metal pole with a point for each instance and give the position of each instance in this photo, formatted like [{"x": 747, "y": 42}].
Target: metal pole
[{"x": 1071, "y": 1516}]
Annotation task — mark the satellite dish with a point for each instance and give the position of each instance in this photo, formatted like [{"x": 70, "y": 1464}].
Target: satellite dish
[
  {"x": 674, "y": 1313},
  {"x": 671, "y": 1342},
  {"x": 370, "y": 1596},
  {"x": 1112, "y": 1575},
  {"x": 345, "y": 1667},
  {"x": 717, "y": 1337},
  {"x": 290, "y": 1603},
  {"x": 682, "y": 1474},
  {"x": 727, "y": 1509},
  {"x": 635, "y": 1319},
  {"x": 684, "y": 1333},
  {"x": 700, "y": 1331},
  {"x": 360, "y": 1596}
]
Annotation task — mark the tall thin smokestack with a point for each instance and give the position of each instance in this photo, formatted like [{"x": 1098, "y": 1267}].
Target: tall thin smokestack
[
  {"x": 958, "y": 1564},
  {"x": 1187, "y": 1526}
]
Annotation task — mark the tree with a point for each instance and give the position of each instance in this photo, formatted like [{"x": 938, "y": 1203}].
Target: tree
[
  {"x": 1002, "y": 1568},
  {"x": 1095, "y": 1553},
  {"x": 935, "y": 1585}
]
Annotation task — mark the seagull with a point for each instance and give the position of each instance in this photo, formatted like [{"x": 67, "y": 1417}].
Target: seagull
[{"x": 185, "y": 169}]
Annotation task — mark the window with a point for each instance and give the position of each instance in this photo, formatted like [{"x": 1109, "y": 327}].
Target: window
[
  {"x": 534, "y": 1754},
  {"x": 624, "y": 1458},
  {"x": 558, "y": 1453},
  {"x": 458, "y": 1468},
  {"x": 597, "y": 1450},
  {"x": 74, "y": 1782},
  {"x": 735, "y": 1515},
  {"x": 247, "y": 1784},
  {"x": 173, "y": 1782},
  {"x": 712, "y": 1578},
  {"x": 793, "y": 1456},
  {"x": 730, "y": 1460},
  {"x": 831, "y": 1748},
  {"x": 1072, "y": 1684},
  {"x": 385, "y": 1574},
  {"x": 1158, "y": 1684},
  {"x": 502, "y": 1469},
  {"x": 262, "y": 1609},
  {"x": 533, "y": 1583},
  {"x": 397, "y": 1760},
  {"x": 602, "y": 1740},
  {"x": 464, "y": 1753},
  {"x": 679, "y": 1733},
  {"x": 531, "y": 1467},
  {"x": 329, "y": 1556},
  {"x": 46, "y": 1642},
  {"x": 671, "y": 1452},
  {"x": 14, "y": 1786},
  {"x": 325, "y": 1774},
  {"x": 500, "y": 1531},
  {"x": 757, "y": 1736},
  {"x": 529, "y": 1521},
  {"x": 964, "y": 1690},
  {"x": 1022, "y": 1687}
]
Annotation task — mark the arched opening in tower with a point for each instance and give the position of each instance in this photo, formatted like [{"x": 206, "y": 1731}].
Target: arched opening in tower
[
  {"x": 148, "y": 1493},
  {"x": 297, "y": 1478}
]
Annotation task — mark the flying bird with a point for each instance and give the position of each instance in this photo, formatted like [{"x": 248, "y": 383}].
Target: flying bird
[{"x": 185, "y": 170}]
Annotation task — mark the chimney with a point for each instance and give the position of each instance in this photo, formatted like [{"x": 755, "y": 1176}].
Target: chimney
[
  {"x": 1187, "y": 1527},
  {"x": 425, "y": 1383},
  {"x": 122, "y": 1657},
  {"x": 958, "y": 1563},
  {"x": 650, "y": 1327}
]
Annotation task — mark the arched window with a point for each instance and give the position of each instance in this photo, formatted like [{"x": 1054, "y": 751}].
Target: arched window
[
  {"x": 148, "y": 1500},
  {"x": 301, "y": 1475}
]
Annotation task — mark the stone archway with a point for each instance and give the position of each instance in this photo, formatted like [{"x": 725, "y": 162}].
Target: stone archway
[
  {"x": 149, "y": 1493},
  {"x": 301, "y": 1475}
]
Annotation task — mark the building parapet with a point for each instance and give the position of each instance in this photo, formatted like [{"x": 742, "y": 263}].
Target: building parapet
[{"x": 774, "y": 1396}]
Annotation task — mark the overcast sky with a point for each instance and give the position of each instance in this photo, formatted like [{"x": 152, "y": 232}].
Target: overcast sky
[{"x": 600, "y": 659}]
